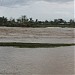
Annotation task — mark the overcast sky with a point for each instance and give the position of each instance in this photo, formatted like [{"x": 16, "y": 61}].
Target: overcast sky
[{"x": 38, "y": 9}]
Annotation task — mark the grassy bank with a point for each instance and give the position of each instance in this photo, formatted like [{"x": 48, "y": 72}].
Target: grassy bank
[{"x": 33, "y": 45}]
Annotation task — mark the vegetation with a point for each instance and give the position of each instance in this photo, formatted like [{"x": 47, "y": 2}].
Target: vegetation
[
  {"x": 33, "y": 45},
  {"x": 25, "y": 22}
]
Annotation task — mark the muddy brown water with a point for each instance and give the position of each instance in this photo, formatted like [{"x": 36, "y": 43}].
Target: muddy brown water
[
  {"x": 37, "y": 61},
  {"x": 38, "y": 40},
  {"x": 37, "y": 35}
]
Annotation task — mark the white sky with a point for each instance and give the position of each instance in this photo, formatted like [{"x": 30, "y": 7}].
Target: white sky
[{"x": 39, "y": 9}]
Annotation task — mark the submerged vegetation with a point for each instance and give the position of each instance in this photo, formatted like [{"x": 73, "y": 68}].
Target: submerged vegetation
[
  {"x": 33, "y": 45},
  {"x": 23, "y": 21}
]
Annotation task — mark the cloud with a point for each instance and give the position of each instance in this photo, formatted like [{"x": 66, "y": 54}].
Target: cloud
[
  {"x": 58, "y": 0},
  {"x": 23, "y": 2},
  {"x": 41, "y": 10}
]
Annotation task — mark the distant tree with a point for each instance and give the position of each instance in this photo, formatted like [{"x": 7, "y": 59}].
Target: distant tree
[
  {"x": 23, "y": 21},
  {"x": 36, "y": 20},
  {"x": 3, "y": 21},
  {"x": 72, "y": 23}
]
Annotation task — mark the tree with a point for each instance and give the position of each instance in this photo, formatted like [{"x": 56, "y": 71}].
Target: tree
[{"x": 3, "y": 21}]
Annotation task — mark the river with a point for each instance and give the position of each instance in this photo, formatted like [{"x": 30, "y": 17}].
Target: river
[{"x": 37, "y": 61}]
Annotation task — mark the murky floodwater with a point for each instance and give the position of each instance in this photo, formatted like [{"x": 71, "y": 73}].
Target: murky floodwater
[
  {"x": 37, "y": 35},
  {"x": 37, "y": 61},
  {"x": 38, "y": 40}
]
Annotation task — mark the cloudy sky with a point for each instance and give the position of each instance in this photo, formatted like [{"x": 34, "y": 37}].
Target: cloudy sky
[{"x": 38, "y": 9}]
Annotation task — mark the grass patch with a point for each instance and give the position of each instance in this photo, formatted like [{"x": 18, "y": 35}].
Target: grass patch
[{"x": 33, "y": 45}]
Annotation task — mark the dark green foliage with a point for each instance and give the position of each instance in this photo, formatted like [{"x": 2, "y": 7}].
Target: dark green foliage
[
  {"x": 33, "y": 45},
  {"x": 23, "y": 21}
]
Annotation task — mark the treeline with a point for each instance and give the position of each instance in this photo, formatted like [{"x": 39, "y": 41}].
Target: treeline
[{"x": 23, "y": 21}]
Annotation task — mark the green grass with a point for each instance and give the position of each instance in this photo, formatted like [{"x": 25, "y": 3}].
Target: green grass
[{"x": 32, "y": 45}]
